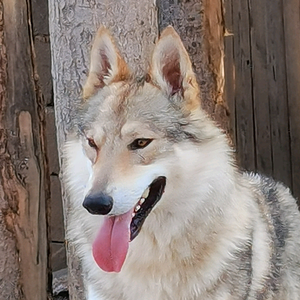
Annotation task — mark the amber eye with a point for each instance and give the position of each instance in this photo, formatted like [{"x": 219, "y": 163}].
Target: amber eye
[
  {"x": 92, "y": 143},
  {"x": 139, "y": 144}
]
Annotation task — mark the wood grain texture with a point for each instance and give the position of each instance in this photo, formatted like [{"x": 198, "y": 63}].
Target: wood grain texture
[
  {"x": 245, "y": 143},
  {"x": 229, "y": 68},
  {"x": 259, "y": 71},
  {"x": 266, "y": 86},
  {"x": 291, "y": 19},
  {"x": 23, "y": 182},
  {"x": 9, "y": 265},
  {"x": 276, "y": 77},
  {"x": 72, "y": 27},
  {"x": 214, "y": 49}
]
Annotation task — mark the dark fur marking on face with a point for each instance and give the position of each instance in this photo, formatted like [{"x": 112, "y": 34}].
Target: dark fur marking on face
[
  {"x": 181, "y": 135},
  {"x": 140, "y": 80},
  {"x": 191, "y": 136}
]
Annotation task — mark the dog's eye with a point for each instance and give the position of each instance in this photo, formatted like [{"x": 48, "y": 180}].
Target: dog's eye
[
  {"x": 92, "y": 143},
  {"x": 139, "y": 144}
]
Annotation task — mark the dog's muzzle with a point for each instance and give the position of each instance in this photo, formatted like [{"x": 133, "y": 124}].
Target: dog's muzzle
[{"x": 98, "y": 204}]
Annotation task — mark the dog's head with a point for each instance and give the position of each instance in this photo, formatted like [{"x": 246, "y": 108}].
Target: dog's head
[{"x": 133, "y": 131}]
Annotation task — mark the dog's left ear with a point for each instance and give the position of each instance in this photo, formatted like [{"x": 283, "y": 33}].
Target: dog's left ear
[
  {"x": 106, "y": 66},
  {"x": 171, "y": 68}
]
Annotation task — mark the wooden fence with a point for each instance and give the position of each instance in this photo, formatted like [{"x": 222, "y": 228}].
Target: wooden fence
[{"x": 262, "y": 68}]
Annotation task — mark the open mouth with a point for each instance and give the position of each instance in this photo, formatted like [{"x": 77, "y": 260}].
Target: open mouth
[
  {"x": 149, "y": 199},
  {"x": 111, "y": 244}
]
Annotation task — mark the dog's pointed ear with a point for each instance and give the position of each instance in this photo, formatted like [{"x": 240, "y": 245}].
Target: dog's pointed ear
[
  {"x": 171, "y": 68},
  {"x": 107, "y": 64}
]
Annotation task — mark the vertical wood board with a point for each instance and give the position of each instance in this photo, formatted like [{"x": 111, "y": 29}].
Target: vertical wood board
[
  {"x": 24, "y": 168},
  {"x": 291, "y": 18},
  {"x": 259, "y": 72},
  {"x": 245, "y": 142},
  {"x": 277, "y": 86},
  {"x": 229, "y": 67},
  {"x": 266, "y": 86},
  {"x": 9, "y": 264}
]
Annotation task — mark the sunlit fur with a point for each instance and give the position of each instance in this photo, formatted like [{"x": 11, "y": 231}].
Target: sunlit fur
[{"x": 216, "y": 233}]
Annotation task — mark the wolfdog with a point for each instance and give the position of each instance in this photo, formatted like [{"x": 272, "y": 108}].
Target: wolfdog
[{"x": 159, "y": 210}]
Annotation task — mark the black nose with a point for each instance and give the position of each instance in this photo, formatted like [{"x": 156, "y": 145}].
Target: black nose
[{"x": 98, "y": 204}]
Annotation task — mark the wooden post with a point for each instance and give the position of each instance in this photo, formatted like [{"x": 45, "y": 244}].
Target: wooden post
[{"x": 24, "y": 189}]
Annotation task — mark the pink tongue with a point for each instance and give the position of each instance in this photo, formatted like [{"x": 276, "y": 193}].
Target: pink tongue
[{"x": 111, "y": 244}]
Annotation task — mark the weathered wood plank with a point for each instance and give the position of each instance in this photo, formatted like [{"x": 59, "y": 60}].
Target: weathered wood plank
[
  {"x": 229, "y": 68},
  {"x": 259, "y": 71},
  {"x": 214, "y": 51},
  {"x": 266, "y": 86},
  {"x": 31, "y": 228},
  {"x": 276, "y": 76},
  {"x": 23, "y": 165},
  {"x": 9, "y": 264},
  {"x": 56, "y": 215},
  {"x": 291, "y": 19},
  {"x": 245, "y": 143},
  {"x": 58, "y": 256}
]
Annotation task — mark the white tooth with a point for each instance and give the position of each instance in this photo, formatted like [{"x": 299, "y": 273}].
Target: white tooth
[
  {"x": 133, "y": 214},
  {"x": 137, "y": 208},
  {"x": 142, "y": 200},
  {"x": 146, "y": 193}
]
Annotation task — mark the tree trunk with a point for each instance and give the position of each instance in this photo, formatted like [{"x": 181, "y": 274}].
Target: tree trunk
[
  {"x": 24, "y": 190},
  {"x": 136, "y": 25}
]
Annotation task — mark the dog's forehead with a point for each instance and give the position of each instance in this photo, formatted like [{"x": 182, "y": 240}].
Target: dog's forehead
[
  {"x": 121, "y": 102},
  {"x": 129, "y": 110},
  {"x": 135, "y": 99}
]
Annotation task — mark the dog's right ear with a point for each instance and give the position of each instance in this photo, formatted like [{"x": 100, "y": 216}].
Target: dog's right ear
[{"x": 106, "y": 64}]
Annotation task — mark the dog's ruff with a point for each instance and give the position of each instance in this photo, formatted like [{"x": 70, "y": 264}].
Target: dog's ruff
[{"x": 215, "y": 233}]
